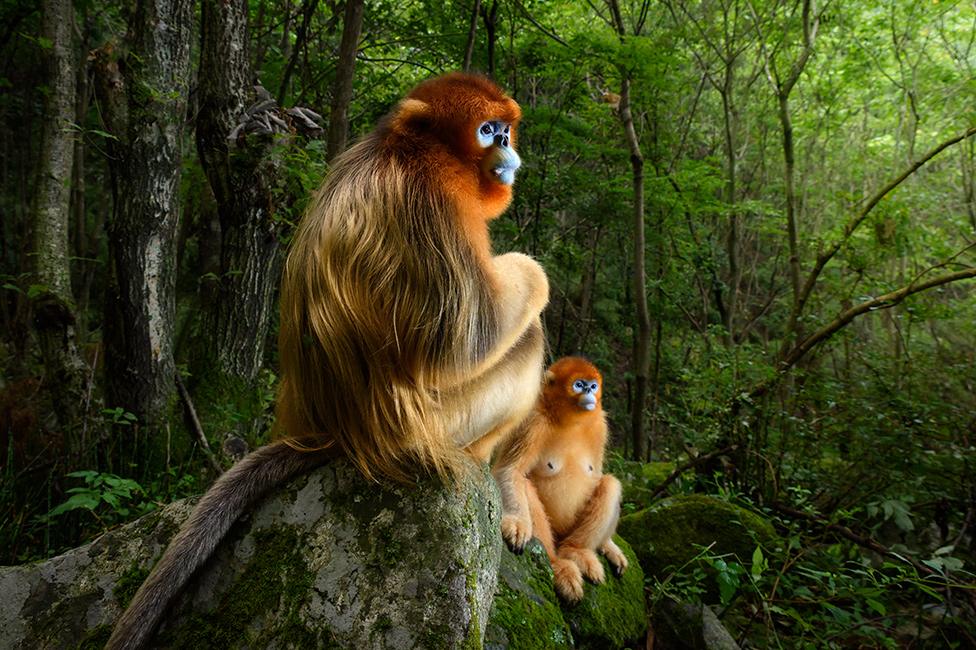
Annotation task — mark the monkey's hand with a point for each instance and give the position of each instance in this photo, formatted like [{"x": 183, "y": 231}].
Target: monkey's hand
[
  {"x": 615, "y": 556},
  {"x": 516, "y": 531}
]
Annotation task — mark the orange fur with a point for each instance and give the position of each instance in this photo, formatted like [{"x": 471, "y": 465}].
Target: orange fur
[
  {"x": 395, "y": 317},
  {"x": 558, "y": 491}
]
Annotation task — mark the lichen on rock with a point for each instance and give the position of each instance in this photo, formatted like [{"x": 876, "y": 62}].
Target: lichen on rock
[{"x": 331, "y": 560}]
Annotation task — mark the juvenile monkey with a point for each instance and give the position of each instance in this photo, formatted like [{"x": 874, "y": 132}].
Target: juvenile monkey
[
  {"x": 405, "y": 344},
  {"x": 553, "y": 486}
]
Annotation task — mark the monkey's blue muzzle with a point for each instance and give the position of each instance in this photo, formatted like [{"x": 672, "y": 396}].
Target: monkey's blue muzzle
[
  {"x": 504, "y": 163},
  {"x": 588, "y": 401}
]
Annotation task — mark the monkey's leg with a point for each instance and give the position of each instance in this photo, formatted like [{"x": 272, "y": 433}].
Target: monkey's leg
[
  {"x": 592, "y": 529},
  {"x": 566, "y": 576}
]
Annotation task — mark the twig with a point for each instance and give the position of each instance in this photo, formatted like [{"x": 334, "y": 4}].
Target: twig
[
  {"x": 844, "y": 531},
  {"x": 684, "y": 468},
  {"x": 197, "y": 429}
]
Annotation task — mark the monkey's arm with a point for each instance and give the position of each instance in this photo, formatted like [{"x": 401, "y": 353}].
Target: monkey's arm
[
  {"x": 220, "y": 507},
  {"x": 516, "y": 458},
  {"x": 521, "y": 293}
]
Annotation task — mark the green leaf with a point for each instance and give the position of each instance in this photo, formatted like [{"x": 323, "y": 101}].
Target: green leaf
[
  {"x": 82, "y": 501},
  {"x": 876, "y": 606},
  {"x": 758, "y": 563}
]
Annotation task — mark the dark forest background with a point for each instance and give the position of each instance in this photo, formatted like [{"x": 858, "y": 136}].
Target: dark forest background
[{"x": 758, "y": 218}]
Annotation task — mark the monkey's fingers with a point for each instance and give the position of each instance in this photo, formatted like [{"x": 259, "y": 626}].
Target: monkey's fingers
[
  {"x": 567, "y": 580},
  {"x": 516, "y": 532},
  {"x": 587, "y": 561},
  {"x": 616, "y": 557}
]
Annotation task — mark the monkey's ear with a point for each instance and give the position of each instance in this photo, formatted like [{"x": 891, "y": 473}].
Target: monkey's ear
[
  {"x": 410, "y": 112},
  {"x": 550, "y": 377}
]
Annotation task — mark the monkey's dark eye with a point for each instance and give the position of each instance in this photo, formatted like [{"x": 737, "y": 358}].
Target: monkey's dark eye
[
  {"x": 593, "y": 386},
  {"x": 550, "y": 465},
  {"x": 486, "y": 129}
]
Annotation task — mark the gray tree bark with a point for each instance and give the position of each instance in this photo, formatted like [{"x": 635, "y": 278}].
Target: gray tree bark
[
  {"x": 148, "y": 122},
  {"x": 54, "y": 309},
  {"x": 242, "y": 178}
]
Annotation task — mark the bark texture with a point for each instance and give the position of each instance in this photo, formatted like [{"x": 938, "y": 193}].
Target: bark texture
[
  {"x": 54, "y": 310},
  {"x": 142, "y": 235},
  {"x": 243, "y": 175}
]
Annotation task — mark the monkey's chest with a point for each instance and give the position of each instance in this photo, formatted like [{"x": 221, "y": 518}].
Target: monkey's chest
[{"x": 565, "y": 481}]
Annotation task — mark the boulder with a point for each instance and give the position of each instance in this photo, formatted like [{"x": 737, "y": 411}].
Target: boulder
[
  {"x": 527, "y": 614},
  {"x": 639, "y": 480},
  {"x": 669, "y": 534},
  {"x": 330, "y": 560}
]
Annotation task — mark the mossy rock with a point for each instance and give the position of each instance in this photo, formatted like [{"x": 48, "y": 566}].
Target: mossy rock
[
  {"x": 527, "y": 614},
  {"x": 671, "y": 533},
  {"x": 330, "y": 560},
  {"x": 614, "y": 614},
  {"x": 639, "y": 480}
]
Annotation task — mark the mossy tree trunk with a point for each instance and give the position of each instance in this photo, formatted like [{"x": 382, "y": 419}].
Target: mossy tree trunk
[
  {"x": 54, "y": 309},
  {"x": 243, "y": 174},
  {"x": 144, "y": 100}
]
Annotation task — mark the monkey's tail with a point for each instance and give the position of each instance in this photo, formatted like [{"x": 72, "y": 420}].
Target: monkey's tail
[{"x": 220, "y": 507}]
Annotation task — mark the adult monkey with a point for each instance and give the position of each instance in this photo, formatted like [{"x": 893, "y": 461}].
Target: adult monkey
[{"x": 403, "y": 341}]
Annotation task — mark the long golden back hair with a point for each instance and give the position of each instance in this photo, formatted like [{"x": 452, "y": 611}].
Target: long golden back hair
[{"x": 386, "y": 298}]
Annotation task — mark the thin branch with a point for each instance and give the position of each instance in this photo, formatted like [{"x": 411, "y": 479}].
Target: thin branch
[
  {"x": 195, "y": 425},
  {"x": 852, "y": 225},
  {"x": 847, "y": 533},
  {"x": 886, "y": 301},
  {"x": 551, "y": 34},
  {"x": 694, "y": 462}
]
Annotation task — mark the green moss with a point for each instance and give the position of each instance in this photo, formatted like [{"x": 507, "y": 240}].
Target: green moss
[
  {"x": 613, "y": 614},
  {"x": 671, "y": 533},
  {"x": 274, "y": 583},
  {"x": 526, "y": 614},
  {"x": 656, "y": 473},
  {"x": 639, "y": 480},
  {"x": 128, "y": 584},
  {"x": 96, "y": 638}
]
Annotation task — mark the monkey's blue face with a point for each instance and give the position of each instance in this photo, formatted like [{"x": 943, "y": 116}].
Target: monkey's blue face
[
  {"x": 587, "y": 390},
  {"x": 501, "y": 162}
]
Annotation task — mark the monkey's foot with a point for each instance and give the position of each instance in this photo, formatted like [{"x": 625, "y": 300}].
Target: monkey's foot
[
  {"x": 567, "y": 580},
  {"x": 587, "y": 561},
  {"x": 615, "y": 556},
  {"x": 516, "y": 531}
]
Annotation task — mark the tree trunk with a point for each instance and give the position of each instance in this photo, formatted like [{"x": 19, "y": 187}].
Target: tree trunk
[
  {"x": 54, "y": 311},
  {"x": 345, "y": 68},
  {"x": 490, "y": 18},
  {"x": 642, "y": 362},
  {"x": 142, "y": 235},
  {"x": 472, "y": 33},
  {"x": 242, "y": 177}
]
